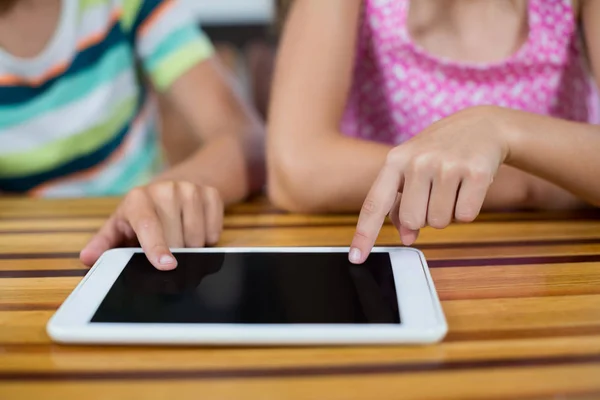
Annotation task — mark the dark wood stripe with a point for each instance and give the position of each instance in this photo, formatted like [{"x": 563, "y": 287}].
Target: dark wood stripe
[
  {"x": 520, "y": 243},
  {"x": 35, "y": 217},
  {"x": 478, "y": 262},
  {"x": 531, "y": 333},
  {"x": 37, "y": 256},
  {"x": 298, "y": 372},
  {"x": 584, "y": 215},
  {"x": 225, "y": 226},
  {"x": 425, "y": 246},
  {"x": 45, "y": 231},
  {"x": 29, "y": 307},
  {"x": 482, "y": 262},
  {"x": 43, "y": 273}
]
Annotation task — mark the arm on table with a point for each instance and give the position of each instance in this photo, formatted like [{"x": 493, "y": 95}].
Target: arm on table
[
  {"x": 312, "y": 167},
  {"x": 231, "y": 158},
  {"x": 447, "y": 170},
  {"x": 564, "y": 153},
  {"x": 460, "y": 156},
  {"x": 184, "y": 206},
  {"x": 535, "y": 191}
]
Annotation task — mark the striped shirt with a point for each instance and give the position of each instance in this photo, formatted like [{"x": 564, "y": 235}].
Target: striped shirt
[{"x": 76, "y": 120}]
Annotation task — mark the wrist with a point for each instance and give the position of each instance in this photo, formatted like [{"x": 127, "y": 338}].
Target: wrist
[{"x": 508, "y": 131}]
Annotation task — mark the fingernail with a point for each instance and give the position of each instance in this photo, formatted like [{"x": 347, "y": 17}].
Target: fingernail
[
  {"x": 166, "y": 260},
  {"x": 355, "y": 255}
]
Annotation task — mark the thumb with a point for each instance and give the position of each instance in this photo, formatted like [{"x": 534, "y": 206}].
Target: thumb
[{"x": 107, "y": 238}]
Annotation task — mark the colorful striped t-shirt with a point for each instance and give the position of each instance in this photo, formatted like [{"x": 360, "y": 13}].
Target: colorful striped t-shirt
[{"x": 77, "y": 120}]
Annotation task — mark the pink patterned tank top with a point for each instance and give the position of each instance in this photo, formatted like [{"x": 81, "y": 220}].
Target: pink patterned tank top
[{"x": 399, "y": 89}]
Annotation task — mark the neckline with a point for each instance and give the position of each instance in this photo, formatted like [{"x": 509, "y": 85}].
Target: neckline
[
  {"x": 421, "y": 51},
  {"x": 59, "y": 36}
]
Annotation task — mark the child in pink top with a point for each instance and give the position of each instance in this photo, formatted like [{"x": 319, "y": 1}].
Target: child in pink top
[
  {"x": 399, "y": 88},
  {"x": 356, "y": 77}
]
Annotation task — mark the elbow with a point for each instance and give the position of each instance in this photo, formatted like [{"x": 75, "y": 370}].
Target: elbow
[
  {"x": 291, "y": 185},
  {"x": 250, "y": 149}
]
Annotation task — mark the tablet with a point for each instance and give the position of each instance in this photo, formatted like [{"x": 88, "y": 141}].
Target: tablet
[{"x": 254, "y": 296}]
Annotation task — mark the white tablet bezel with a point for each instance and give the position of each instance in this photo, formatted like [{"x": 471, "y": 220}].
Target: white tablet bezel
[{"x": 422, "y": 318}]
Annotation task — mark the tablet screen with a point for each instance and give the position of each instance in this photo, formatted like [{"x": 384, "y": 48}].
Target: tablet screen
[{"x": 254, "y": 288}]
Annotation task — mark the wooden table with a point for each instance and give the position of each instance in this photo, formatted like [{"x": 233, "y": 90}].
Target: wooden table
[{"x": 521, "y": 293}]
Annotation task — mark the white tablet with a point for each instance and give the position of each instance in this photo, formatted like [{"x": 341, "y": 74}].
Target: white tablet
[{"x": 258, "y": 296}]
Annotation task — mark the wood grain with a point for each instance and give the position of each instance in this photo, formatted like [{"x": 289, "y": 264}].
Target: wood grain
[
  {"x": 309, "y": 235},
  {"x": 576, "y": 379},
  {"x": 521, "y": 292}
]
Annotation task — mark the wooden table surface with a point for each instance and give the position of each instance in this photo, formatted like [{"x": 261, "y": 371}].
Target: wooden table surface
[{"x": 521, "y": 293}]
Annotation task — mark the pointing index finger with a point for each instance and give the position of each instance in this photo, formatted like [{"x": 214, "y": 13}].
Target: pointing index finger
[
  {"x": 142, "y": 217},
  {"x": 376, "y": 207}
]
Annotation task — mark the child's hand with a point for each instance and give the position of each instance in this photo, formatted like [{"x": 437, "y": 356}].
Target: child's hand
[
  {"x": 443, "y": 172},
  {"x": 159, "y": 216}
]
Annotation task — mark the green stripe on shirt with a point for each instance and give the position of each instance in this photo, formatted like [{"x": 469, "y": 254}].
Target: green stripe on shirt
[
  {"x": 175, "y": 40},
  {"x": 69, "y": 90},
  {"x": 177, "y": 62},
  {"x": 130, "y": 12},
  {"x": 61, "y": 151},
  {"x": 85, "y": 5}
]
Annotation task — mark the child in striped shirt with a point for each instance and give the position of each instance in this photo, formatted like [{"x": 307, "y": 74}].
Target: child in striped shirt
[{"x": 76, "y": 118}]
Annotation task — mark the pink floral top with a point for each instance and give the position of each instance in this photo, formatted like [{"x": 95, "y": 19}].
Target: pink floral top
[{"x": 399, "y": 89}]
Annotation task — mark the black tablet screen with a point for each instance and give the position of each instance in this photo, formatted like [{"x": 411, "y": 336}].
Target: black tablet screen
[{"x": 254, "y": 288}]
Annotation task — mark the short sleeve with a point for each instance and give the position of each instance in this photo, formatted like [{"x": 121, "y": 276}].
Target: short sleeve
[{"x": 166, "y": 38}]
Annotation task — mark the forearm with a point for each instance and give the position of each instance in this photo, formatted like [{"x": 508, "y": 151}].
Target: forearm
[
  {"x": 514, "y": 189},
  {"x": 333, "y": 175},
  {"x": 231, "y": 158},
  {"x": 564, "y": 153}
]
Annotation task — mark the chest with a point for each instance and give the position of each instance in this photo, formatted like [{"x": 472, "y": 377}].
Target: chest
[{"x": 474, "y": 31}]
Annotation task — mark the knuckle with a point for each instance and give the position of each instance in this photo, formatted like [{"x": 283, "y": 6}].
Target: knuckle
[
  {"x": 189, "y": 190},
  {"x": 165, "y": 191},
  {"x": 369, "y": 207},
  {"x": 136, "y": 194},
  {"x": 394, "y": 156},
  {"x": 409, "y": 220},
  {"x": 137, "y": 199},
  {"x": 421, "y": 164},
  {"x": 361, "y": 234},
  {"x": 438, "y": 222},
  {"x": 480, "y": 175},
  {"x": 212, "y": 193},
  {"x": 450, "y": 170},
  {"x": 466, "y": 213}
]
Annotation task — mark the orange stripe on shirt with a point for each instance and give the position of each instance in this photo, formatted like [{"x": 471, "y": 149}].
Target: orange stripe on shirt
[
  {"x": 154, "y": 16},
  {"x": 97, "y": 37},
  {"x": 89, "y": 41}
]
